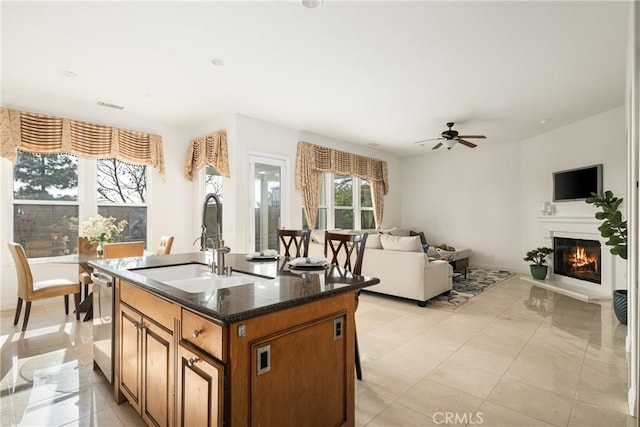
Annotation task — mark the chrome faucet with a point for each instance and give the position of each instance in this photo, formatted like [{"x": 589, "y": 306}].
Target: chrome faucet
[{"x": 218, "y": 246}]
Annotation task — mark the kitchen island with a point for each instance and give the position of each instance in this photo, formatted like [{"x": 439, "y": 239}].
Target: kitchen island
[{"x": 264, "y": 346}]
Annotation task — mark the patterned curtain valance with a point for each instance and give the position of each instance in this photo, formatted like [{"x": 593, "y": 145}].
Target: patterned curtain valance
[
  {"x": 39, "y": 133},
  {"x": 313, "y": 160},
  {"x": 209, "y": 149}
]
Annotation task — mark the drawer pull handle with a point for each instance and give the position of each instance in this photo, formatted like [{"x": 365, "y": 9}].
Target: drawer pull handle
[
  {"x": 193, "y": 361},
  {"x": 197, "y": 332}
]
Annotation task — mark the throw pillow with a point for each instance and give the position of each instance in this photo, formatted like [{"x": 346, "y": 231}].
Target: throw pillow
[
  {"x": 373, "y": 241},
  {"x": 400, "y": 243},
  {"x": 423, "y": 239},
  {"x": 404, "y": 232}
]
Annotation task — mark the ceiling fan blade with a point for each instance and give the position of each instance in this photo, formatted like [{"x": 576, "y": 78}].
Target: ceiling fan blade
[
  {"x": 426, "y": 140},
  {"x": 472, "y": 136},
  {"x": 467, "y": 143},
  {"x": 438, "y": 145}
]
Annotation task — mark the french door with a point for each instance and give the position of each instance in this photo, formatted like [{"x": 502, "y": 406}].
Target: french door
[{"x": 268, "y": 200}]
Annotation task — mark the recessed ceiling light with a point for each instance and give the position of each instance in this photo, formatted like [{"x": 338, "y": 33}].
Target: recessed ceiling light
[
  {"x": 109, "y": 105},
  {"x": 68, "y": 73},
  {"x": 217, "y": 62},
  {"x": 544, "y": 121},
  {"x": 311, "y": 4}
]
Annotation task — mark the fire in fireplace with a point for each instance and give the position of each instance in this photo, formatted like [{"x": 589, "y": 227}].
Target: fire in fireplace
[{"x": 577, "y": 258}]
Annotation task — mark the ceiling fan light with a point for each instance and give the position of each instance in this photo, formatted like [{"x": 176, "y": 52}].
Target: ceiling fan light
[{"x": 449, "y": 143}]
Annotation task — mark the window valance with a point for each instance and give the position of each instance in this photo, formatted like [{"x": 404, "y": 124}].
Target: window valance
[
  {"x": 209, "y": 149},
  {"x": 39, "y": 133},
  {"x": 312, "y": 160}
]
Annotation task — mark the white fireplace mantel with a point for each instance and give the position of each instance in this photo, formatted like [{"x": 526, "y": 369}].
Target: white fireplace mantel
[{"x": 579, "y": 227}]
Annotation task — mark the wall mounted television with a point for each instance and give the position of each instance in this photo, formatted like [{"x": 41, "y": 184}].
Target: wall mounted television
[{"x": 577, "y": 184}]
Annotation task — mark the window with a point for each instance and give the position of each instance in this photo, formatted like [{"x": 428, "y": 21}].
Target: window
[
  {"x": 212, "y": 184},
  {"x": 367, "y": 220},
  {"x": 122, "y": 193},
  {"x": 343, "y": 201},
  {"x": 350, "y": 205},
  {"x": 45, "y": 203}
]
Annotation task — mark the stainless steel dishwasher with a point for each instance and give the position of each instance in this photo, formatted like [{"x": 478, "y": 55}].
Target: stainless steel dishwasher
[{"x": 103, "y": 323}]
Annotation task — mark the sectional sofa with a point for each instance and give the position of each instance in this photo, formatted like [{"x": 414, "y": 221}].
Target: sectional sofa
[{"x": 399, "y": 261}]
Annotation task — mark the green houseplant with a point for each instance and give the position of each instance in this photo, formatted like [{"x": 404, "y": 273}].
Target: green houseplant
[
  {"x": 614, "y": 229},
  {"x": 538, "y": 257}
]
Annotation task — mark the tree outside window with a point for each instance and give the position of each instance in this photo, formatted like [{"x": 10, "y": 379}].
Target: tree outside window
[
  {"x": 45, "y": 208},
  {"x": 350, "y": 203},
  {"x": 122, "y": 193}
]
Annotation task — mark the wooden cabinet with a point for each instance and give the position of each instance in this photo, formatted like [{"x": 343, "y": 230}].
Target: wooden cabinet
[
  {"x": 200, "y": 394},
  {"x": 295, "y": 366},
  {"x": 146, "y": 349},
  {"x": 307, "y": 366}
]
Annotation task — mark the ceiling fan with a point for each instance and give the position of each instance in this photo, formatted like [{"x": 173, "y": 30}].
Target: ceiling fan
[{"x": 450, "y": 137}]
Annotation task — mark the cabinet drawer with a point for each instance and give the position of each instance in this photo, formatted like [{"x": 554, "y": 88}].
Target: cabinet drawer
[
  {"x": 202, "y": 333},
  {"x": 161, "y": 311}
]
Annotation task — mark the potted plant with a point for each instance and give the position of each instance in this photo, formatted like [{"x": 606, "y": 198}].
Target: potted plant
[
  {"x": 539, "y": 258},
  {"x": 444, "y": 250},
  {"x": 614, "y": 229}
]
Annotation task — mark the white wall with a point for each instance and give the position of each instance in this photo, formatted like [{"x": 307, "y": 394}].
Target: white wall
[
  {"x": 257, "y": 136},
  {"x": 598, "y": 139},
  {"x": 467, "y": 198},
  {"x": 488, "y": 198}
]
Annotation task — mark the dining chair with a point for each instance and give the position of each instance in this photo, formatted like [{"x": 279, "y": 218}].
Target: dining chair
[
  {"x": 347, "y": 251},
  {"x": 165, "y": 245},
  {"x": 85, "y": 247},
  {"x": 123, "y": 249},
  {"x": 295, "y": 239},
  {"x": 30, "y": 291}
]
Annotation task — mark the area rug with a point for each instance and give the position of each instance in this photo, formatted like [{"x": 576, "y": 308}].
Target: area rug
[{"x": 477, "y": 281}]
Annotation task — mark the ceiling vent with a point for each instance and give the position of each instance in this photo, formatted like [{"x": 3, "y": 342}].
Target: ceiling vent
[{"x": 109, "y": 105}]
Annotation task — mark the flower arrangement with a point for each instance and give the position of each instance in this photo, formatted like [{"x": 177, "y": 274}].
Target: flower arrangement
[{"x": 99, "y": 229}]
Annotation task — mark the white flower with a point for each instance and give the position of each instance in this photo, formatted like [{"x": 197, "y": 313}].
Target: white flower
[{"x": 101, "y": 229}]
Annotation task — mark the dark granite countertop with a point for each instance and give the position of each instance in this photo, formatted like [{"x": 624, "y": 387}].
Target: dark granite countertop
[{"x": 277, "y": 288}]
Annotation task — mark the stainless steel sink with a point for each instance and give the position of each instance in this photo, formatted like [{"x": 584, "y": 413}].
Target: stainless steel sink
[{"x": 196, "y": 278}]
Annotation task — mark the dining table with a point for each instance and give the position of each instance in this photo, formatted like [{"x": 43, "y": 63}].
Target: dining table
[{"x": 82, "y": 260}]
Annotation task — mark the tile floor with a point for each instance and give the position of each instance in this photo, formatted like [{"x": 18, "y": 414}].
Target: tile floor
[{"x": 513, "y": 356}]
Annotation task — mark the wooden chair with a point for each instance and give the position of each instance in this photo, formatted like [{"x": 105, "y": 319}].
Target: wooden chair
[
  {"x": 30, "y": 291},
  {"x": 165, "y": 245},
  {"x": 123, "y": 249},
  {"x": 299, "y": 239},
  {"x": 85, "y": 247},
  {"x": 347, "y": 251}
]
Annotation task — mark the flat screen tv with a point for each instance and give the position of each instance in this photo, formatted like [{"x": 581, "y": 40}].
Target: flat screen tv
[{"x": 577, "y": 184}]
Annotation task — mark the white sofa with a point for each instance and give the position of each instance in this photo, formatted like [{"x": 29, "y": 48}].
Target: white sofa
[{"x": 406, "y": 274}]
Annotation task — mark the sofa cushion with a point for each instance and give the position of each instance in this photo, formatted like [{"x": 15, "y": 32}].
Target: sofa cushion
[
  {"x": 373, "y": 241},
  {"x": 401, "y": 243}
]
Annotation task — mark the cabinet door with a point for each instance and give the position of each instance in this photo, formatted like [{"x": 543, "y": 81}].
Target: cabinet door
[
  {"x": 157, "y": 377},
  {"x": 299, "y": 376},
  {"x": 130, "y": 352},
  {"x": 200, "y": 389}
]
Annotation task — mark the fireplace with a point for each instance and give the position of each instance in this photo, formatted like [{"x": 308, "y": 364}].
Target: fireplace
[{"x": 577, "y": 258}]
